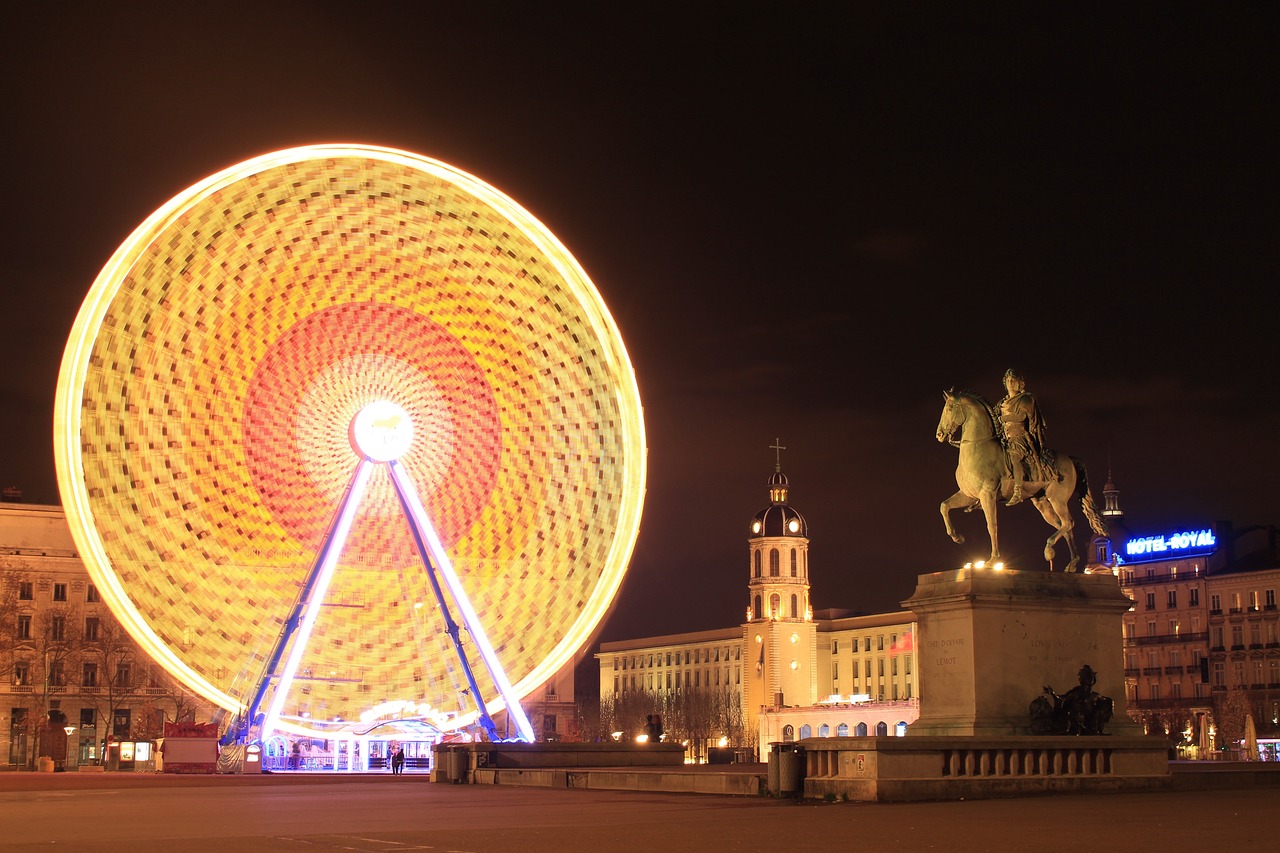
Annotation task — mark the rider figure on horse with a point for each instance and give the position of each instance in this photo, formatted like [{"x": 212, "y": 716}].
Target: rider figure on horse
[{"x": 1024, "y": 434}]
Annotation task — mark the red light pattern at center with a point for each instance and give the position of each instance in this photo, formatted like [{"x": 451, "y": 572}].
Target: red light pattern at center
[{"x": 326, "y": 368}]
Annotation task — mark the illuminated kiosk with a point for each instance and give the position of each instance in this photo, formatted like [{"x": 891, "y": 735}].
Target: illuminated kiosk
[{"x": 245, "y": 338}]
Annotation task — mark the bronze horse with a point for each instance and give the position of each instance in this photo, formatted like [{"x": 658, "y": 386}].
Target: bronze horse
[{"x": 983, "y": 478}]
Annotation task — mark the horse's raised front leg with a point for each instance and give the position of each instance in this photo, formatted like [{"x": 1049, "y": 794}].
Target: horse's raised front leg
[
  {"x": 989, "y": 501},
  {"x": 1058, "y": 516},
  {"x": 957, "y": 501}
]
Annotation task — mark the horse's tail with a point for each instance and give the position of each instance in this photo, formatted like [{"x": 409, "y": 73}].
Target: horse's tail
[{"x": 1086, "y": 500}]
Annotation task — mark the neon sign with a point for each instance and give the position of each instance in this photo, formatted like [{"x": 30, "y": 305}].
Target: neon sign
[{"x": 1189, "y": 543}]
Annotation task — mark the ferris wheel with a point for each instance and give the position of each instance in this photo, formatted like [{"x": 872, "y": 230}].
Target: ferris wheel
[{"x": 324, "y": 405}]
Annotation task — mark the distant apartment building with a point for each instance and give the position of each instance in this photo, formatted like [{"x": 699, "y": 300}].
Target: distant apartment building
[
  {"x": 73, "y": 685},
  {"x": 1204, "y": 623}
]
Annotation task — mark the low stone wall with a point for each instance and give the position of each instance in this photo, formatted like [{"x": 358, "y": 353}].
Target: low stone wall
[
  {"x": 888, "y": 769},
  {"x": 458, "y": 762},
  {"x": 623, "y": 779},
  {"x": 527, "y": 755}
]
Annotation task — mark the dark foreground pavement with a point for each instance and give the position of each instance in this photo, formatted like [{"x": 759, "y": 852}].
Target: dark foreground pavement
[{"x": 385, "y": 814}]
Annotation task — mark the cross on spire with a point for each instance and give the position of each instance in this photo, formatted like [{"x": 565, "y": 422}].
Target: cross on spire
[{"x": 777, "y": 448}]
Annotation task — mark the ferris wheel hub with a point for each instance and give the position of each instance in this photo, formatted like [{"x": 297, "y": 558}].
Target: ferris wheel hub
[{"x": 381, "y": 431}]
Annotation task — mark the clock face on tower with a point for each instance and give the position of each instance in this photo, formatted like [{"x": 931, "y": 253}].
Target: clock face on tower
[{"x": 794, "y": 525}]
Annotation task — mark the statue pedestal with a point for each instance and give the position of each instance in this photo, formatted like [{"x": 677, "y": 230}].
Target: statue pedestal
[
  {"x": 989, "y": 641},
  {"x": 987, "y": 644}
]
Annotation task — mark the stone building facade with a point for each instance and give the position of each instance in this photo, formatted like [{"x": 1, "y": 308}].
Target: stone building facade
[{"x": 65, "y": 662}]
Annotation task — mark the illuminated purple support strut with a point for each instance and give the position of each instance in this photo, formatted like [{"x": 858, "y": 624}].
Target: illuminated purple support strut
[
  {"x": 435, "y": 558},
  {"x": 309, "y": 602},
  {"x": 302, "y": 620}
]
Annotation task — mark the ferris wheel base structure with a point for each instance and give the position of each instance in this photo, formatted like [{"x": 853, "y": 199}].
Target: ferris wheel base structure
[{"x": 323, "y": 387}]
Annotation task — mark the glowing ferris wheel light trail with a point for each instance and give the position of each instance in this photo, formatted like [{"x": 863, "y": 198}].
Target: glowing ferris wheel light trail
[
  {"x": 329, "y": 554},
  {"x": 201, "y": 461},
  {"x": 423, "y": 528}
]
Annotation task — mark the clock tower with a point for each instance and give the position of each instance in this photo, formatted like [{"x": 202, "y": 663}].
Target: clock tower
[{"x": 780, "y": 638}]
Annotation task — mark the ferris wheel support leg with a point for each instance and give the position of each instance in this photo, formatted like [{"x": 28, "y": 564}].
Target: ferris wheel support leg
[
  {"x": 310, "y": 598},
  {"x": 435, "y": 558}
]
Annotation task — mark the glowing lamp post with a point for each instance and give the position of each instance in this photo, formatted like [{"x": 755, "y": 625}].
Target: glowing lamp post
[{"x": 70, "y": 730}]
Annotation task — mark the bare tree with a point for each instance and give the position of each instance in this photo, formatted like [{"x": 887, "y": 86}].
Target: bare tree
[
  {"x": 171, "y": 691},
  {"x": 13, "y": 576},
  {"x": 45, "y": 650},
  {"x": 112, "y": 671},
  {"x": 697, "y": 717},
  {"x": 625, "y": 713}
]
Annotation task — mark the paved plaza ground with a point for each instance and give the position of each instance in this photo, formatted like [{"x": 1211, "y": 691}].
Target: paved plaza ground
[{"x": 150, "y": 813}]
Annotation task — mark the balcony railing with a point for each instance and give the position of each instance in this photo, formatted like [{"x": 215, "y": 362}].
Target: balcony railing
[
  {"x": 1159, "y": 639},
  {"x": 1181, "y": 704},
  {"x": 1162, "y": 578}
]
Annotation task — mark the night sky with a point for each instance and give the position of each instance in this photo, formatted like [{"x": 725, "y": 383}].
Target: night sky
[{"x": 807, "y": 224}]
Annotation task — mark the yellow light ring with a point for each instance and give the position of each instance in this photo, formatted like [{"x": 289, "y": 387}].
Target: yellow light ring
[{"x": 302, "y": 285}]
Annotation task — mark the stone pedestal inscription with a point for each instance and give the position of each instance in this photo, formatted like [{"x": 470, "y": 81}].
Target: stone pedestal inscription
[{"x": 990, "y": 641}]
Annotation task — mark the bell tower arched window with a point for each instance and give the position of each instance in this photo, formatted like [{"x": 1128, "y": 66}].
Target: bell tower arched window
[
  {"x": 793, "y": 562},
  {"x": 775, "y": 606},
  {"x": 757, "y": 612},
  {"x": 773, "y": 562},
  {"x": 757, "y": 555},
  {"x": 794, "y": 613}
]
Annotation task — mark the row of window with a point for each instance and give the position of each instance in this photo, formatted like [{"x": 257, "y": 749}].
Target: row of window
[
  {"x": 1155, "y": 693},
  {"x": 683, "y": 679},
  {"x": 775, "y": 563},
  {"x": 1268, "y": 599},
  {"x": 842, "y": 730},
  {"x": 1128, "y": 575},
  {"x": 1256, "y": 635},
  {"x": 775, "y": 610},
  {"x": 893, "y": 666},
  {"x": 1153, "y": 659},
  {"x": 691, "y": 656},
  {"x": 1171, "y": 598},
  {"x": 1253, "y": 673},
  {"x": 1175, "y": 628},
  {"x": 1258, "y": 599},
  {"x": 894, "y": 645},
  {"x": 57, "y": 674},
  {"x": 57, "y": 628},
  {"x": 121, "y": 720},
  {"x": 1247, "y": 673},
  {"x": 27, "y": 592},
  {"x": 896, "y": 691}
]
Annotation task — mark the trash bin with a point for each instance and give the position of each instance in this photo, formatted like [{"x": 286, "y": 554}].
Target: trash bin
[
  {"x": 786, "y": 769},
  {"x": 458, "y": 761},
  {"x": 443, "y": 764}
]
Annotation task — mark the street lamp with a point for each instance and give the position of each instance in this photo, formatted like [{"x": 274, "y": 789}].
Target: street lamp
[{"x": 70, "y": 730}]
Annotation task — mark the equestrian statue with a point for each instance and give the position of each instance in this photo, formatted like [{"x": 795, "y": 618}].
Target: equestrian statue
[{"x": 1002, "y": 455}]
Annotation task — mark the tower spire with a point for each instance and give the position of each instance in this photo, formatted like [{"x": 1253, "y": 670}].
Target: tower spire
[
  {"x": 777, "y": 448},
  {"x": 778, "y": 482},
  {"x": 1111, "y": 495}
]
